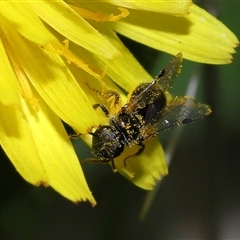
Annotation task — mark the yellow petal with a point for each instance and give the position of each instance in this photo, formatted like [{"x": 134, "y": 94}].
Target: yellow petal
[
  {"x": 126, "y": 71},
  {"x": 144, "y": 170},
  {"x": 57, "y": 154},
  {"x": 36, "y": 141},
  {"x": 67, "y": 22},
  {"x": 199, "y": 36},
  {"x": 14, "y": 129},
  {"x": 52, "y": 78},
  {"x": 179, "y": 7},
  {"x": 20, "y": 15}
]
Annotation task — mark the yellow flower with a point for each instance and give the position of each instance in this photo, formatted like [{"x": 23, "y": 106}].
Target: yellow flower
[{"x": 43, "y": 78}]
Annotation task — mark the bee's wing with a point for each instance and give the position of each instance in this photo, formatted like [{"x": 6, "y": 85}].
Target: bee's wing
[
  {"x": 164, "y": 79},
  {"x": 170, "y": 72},
  {"x": 182, "y": 110}
]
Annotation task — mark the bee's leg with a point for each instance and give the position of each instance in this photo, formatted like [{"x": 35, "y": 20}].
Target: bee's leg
[
  {"x": 114, "y": 97},
  {"x": 112, "y": 94},
  {"x": 75, "y": 135},
  {"x": 101, "y": 160},
  {"x": 139, "y": 152},
  {"x": 107, "y": 95},
  {"x": 113, "y": 165},
  {"x": 72, "y": 133},
  {"x": 104, "y": 109}
]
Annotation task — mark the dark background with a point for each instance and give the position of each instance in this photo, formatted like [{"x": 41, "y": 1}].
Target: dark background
[{"x": 199, "y": 199}]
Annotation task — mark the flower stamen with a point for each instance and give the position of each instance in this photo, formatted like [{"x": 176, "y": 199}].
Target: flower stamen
[
  {"x": 24, "y": 86},
  {"x": 62, "y": 50},
  {"x": 100, "y": 17}
]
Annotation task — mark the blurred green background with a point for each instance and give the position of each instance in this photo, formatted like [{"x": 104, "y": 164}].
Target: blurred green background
[{"x": 199, "y": 199}]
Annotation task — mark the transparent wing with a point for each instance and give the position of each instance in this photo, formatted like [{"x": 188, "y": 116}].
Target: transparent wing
[
  {"x": 182, "y": 110},
  {"x": 164, "y": 79},
  {"x": 170, "y": 72}
]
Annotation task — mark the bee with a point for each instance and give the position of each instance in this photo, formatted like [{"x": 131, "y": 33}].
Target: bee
[{"x": 149, "y": 111}]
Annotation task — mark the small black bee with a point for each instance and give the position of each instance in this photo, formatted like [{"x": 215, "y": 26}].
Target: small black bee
[{"x": 149, "y": 111}]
